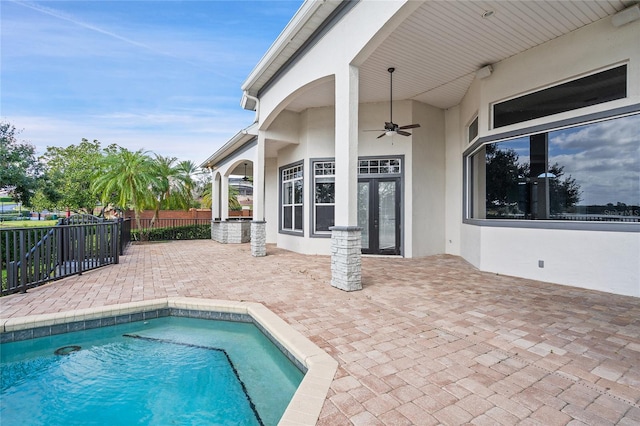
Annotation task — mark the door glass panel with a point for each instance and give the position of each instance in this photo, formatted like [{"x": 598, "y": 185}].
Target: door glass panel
[
  {"x": 363, "y": 212},
  {"x": 387, "y": 215}
]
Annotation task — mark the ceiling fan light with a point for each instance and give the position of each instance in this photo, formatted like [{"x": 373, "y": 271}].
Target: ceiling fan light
[{"x": 389, "y": 133}]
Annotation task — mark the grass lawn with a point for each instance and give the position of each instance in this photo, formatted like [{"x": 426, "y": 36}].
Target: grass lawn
[{"x": 27, "y": 223}]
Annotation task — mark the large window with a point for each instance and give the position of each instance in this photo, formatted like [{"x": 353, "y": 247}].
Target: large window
[
  {"x": 588, "y": 172},
  {"x": 324, "y": 196},
  {"x": 292, "y": 180}
]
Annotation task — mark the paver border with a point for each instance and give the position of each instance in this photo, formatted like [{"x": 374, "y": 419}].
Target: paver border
[{"x": 318, "y": 366}]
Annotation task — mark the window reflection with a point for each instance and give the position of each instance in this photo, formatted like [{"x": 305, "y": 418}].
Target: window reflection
[{"x": 589, "y": 172}]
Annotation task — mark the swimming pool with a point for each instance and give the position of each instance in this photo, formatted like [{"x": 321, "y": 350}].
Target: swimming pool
[
  {"x": 168, "y": 370},
  {"x": 303, "y": 409}
]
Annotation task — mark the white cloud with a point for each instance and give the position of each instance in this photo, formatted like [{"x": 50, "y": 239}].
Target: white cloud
[
  {"x": 164, "y": 76},
  {"x": 603, "y": 157},
  {"x": 187, "y": 137}
]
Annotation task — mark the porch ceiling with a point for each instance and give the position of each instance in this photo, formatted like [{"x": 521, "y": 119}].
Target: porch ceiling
[{"x": 438, "y": 49}]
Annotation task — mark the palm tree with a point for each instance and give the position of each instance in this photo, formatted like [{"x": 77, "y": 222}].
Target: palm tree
[
  {"x": 207, "y": 198},
  {"x": 189, "y": 172},
  {"x": 174, "y": 187},
  {"x": 126, "y": 178}
]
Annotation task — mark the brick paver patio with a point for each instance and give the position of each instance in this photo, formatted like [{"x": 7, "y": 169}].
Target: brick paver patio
[{"x": 427, "y": 341}]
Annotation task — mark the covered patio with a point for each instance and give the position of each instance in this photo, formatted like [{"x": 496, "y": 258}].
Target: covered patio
[{"x": 427, "y": 341}]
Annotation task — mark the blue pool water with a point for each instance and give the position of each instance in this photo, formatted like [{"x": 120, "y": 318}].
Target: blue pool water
[{"x": 165, "y": 371}]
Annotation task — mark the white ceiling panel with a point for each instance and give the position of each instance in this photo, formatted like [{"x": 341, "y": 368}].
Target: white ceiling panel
[{"x": 437, "y": 50}]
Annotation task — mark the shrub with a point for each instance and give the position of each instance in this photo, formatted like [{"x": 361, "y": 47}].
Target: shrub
[{"x": 187, "y": 232}]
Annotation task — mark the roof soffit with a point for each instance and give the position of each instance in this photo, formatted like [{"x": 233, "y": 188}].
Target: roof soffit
[{"x": 439, "y": 47}]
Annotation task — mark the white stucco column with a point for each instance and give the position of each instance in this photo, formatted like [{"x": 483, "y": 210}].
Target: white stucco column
[
  {"x": 258, "y": 178},
  {"x": 259, "y": 226},
  {"x": 224, "y": 198},
  {"x": 215, "y": 196},
  {"x": 346, "y": 243},
  {"x": 346, "y": 146}
]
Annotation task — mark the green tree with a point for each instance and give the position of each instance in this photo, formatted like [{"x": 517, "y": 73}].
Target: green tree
[
  {"x": 234, "y": 204},
  {"x": 174, "y": 186},
  {"x": 189, "y": 172},
  {"x": 71, "y": 170},
  {"x": 126, "y": 180},
  {"x": 203, "y": 191},
  {"x": 564, "y": 191},
  {"x": 207, "y": 199},
  {"x": 170, "y": 189},
  {"x": 505, "y": 174},
  {"x": 19, "y": 168},
  {"x": 47, "y": 196},
  {"x": 502, "y": 176}
]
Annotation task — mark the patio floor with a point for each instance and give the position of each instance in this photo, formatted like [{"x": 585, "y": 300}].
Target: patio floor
[{"x": 427, "y": 341}]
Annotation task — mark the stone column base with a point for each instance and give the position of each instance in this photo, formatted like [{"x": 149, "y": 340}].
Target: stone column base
[
  {"x": 346, "y": 257},
  {"x": 258, "y": 238},
  {"x": 230, "y": 232}
]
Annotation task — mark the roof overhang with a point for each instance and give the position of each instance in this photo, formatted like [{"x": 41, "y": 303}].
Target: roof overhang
[
  {"x": 436, "y": 51},
  {"x": 309, "y": 23},
  {"x": 244, "y": 137}
]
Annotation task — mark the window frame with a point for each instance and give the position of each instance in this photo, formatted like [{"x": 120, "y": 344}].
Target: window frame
[
  {"x": 467, "y": 170},
  {"x": 556, "y": 85},
  {"x": 313, "y": 233},
  {"x": 281, "y": 182}
]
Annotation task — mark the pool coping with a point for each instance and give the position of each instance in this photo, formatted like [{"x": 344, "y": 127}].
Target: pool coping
[{"x": 305, "y": 405}]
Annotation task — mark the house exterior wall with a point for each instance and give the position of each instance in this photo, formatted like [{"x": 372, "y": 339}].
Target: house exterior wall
[
  {"x": 422, "y": 207},
  {"x": 427, "y": 182},
  {"x": 271, "y": 200},
  {"x": 601, "y": 260},
  {"x": 433, "y": 169}
]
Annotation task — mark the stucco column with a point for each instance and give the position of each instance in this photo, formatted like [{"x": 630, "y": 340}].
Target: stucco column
[
  {"x": 215, "y": 196},
  {"x": 258, "y": 226},
  {"x": 346, "y": 257},
  {"x": 224, "y": 198},
  {"x": 216, "y": 225}
]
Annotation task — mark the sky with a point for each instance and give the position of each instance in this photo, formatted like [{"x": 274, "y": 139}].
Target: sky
[
  {"x": 162, "y": 76},
  {"x": 603, "y": 158}
]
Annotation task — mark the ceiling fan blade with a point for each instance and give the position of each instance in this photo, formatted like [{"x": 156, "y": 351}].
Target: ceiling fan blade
[
  {"x": 409, "y": 126},
  {"x": 403, "y": 133},
  {"x": 374, "y": 130},
  {"x": 381, "y": 136}
]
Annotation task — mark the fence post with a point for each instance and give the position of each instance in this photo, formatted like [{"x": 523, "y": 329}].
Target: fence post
[
  {"x": 81, "y": 248},
  {"x": 116, "y": 240},
  {"x": 23, "y": 262}
]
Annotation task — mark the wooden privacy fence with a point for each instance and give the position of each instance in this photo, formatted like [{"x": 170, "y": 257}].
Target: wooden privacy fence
[{"x": 33, "y": 256}]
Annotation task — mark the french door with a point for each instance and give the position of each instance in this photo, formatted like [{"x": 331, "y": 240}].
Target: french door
[{"x": 379, "y": 214}]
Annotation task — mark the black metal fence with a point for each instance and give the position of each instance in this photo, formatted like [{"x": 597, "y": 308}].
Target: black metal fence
[
  {"x": 171, "y": 229},
  {"x": 33, "y": 256}
]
